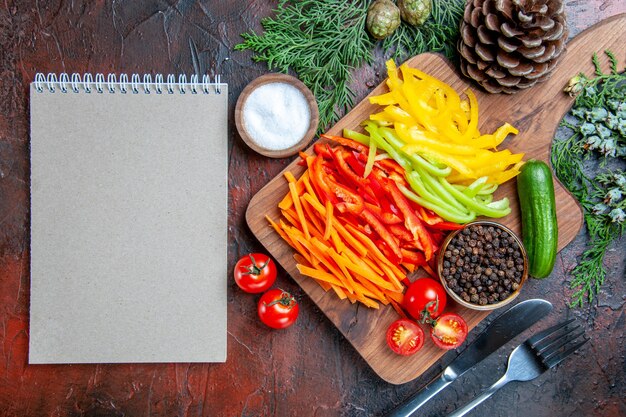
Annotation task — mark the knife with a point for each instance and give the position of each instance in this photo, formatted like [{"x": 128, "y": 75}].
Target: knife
[{"x": 504, "y": 328}]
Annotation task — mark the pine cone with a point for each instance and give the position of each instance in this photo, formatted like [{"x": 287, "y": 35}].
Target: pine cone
[{"x": 508, "y": 45}]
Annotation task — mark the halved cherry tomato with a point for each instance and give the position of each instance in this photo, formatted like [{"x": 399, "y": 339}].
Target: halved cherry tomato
[
  {"x": 405, "y": 337},
  {"x": 278, "y": 309},
  {"x": 424, "y": 299},
  {"x": 449, "y": 331},
  {"x": 255, "y": 273}
]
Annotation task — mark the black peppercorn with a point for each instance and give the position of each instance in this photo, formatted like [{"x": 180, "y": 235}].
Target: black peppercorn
[{"x": 483, "y": 265}]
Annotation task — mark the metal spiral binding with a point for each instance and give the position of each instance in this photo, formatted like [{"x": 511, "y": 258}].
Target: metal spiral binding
[
  {"x": 134, "y": 83},
  {"x": 111, "y": 81},
  {"x": 64, "y": 80},
  {"x": 147, "y": 81},
  {"x": 75, "y": 82},
  {"x": 123, "y": 83},
  {"x": 158, "y": 83},
  {"x": 87, "y": 82},
  {"x": 99, "y": 82}
]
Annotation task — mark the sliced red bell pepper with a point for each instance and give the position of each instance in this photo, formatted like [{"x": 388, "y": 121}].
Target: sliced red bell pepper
[
  {"x": 428, "y": 216},
  {"x": 349, "y": 177},
  {"x": 379, "y": 192},
  {"x": 361, "y": 157},
  {"x": 384, "y": 248},
  {"x": 389, "y": 214},
  {"x": 386, "y": 217},
  {"x": 390, "y": 218},
  {"x": 329, "y": 168},
  {"x": 358, "y": 168},
  {"x": 344, "y": 169},
  {"x": 411, "y": 221},
  {"x": 380, "y": 175},
  {"x": 437, "y": 236},
  {"x": 318, "y": 177},
  {"x": 390, "y": 165},
  {"x": 383, "y": 175},
  {"x": 398, "y": 178},
  {"x": 354, "y": 221},
  {"x": 444, "y": 225},
  {"x": 355, "y": 164},
  {"x": 349, "y": 201},
  {"x": 377, "y": 189},
  {"x": 347, "y": 142},
  {"x": 377, "y": 180},
  {"x": 413, "y": 257},
  {"x": 400, "y": 232},
  {"x": 377, "y": 211},
  {"x": 365, "y": 228},
  {"x": 384, "y": 234},
  {"x": 322, "y": 150}
]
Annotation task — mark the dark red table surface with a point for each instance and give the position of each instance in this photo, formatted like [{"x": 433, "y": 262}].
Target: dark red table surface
[{"x": 306, "y": 370}]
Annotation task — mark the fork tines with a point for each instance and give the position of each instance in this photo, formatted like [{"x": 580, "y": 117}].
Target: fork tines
[{"x": 557, "y": 342}]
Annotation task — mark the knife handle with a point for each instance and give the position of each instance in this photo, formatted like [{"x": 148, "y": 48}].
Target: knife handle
[{"x": 407, "y": 408}]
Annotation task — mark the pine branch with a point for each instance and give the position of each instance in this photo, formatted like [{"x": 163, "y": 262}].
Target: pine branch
[{"x": 595, "y": 144}]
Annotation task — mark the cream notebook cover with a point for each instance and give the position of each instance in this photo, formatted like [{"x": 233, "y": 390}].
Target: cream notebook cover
[{"x": 128, "y": 220}]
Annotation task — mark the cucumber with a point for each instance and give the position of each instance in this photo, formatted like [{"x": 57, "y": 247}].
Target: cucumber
[{"x": 535, "y": 189}]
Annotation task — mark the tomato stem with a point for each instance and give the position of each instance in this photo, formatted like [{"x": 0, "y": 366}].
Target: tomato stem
[
  {"x": 286, "y": 300},
  {"x": 255, "y": 269},
  {"x": 426, "y": 317}
]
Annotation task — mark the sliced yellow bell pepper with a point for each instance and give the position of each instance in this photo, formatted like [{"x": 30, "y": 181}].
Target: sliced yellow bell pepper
[
  {"x": 414, "y": 137},
  {"x": 473, "y": 119},
  {"x": 502, "y": 132},
  {"x": 506, "y": 175},
  {"x": 486, "y": 158},
  {"x": 393, "y": 114},
  {"x": 484, "y": 142},
  {"x": 434, "y": 123},
  {"x": 498, "y": 166},
  {"x": 386, "y": 99},
  {"x": 393, "y": 82}
]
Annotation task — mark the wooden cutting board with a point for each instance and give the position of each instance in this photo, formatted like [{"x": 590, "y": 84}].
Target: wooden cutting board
[{"x": 536, "y": 112}]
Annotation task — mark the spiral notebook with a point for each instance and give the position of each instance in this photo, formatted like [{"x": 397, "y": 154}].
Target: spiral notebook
[{"x": 128, "y": 219}]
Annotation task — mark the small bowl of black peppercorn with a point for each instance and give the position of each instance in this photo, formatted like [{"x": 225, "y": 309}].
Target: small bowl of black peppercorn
[{"x": 483, "y": 266}]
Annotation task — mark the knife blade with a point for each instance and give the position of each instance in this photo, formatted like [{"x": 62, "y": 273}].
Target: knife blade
[{"x": 504, "y": 328}]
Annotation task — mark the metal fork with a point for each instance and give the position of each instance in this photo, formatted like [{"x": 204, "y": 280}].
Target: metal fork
[{"x": 532, "y": 358}]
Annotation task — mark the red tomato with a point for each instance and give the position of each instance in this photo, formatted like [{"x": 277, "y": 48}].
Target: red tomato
[
  {"x": 449, "y": 331},
  {"x": 405, "y": 337},
  {"x": 255, "y": 273},
  {"x": 278, "y": 309},
  {"x": 425, "y": 295}
]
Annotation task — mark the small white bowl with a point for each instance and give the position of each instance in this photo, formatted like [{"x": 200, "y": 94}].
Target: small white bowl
[{"x": 277, "y": 78}]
